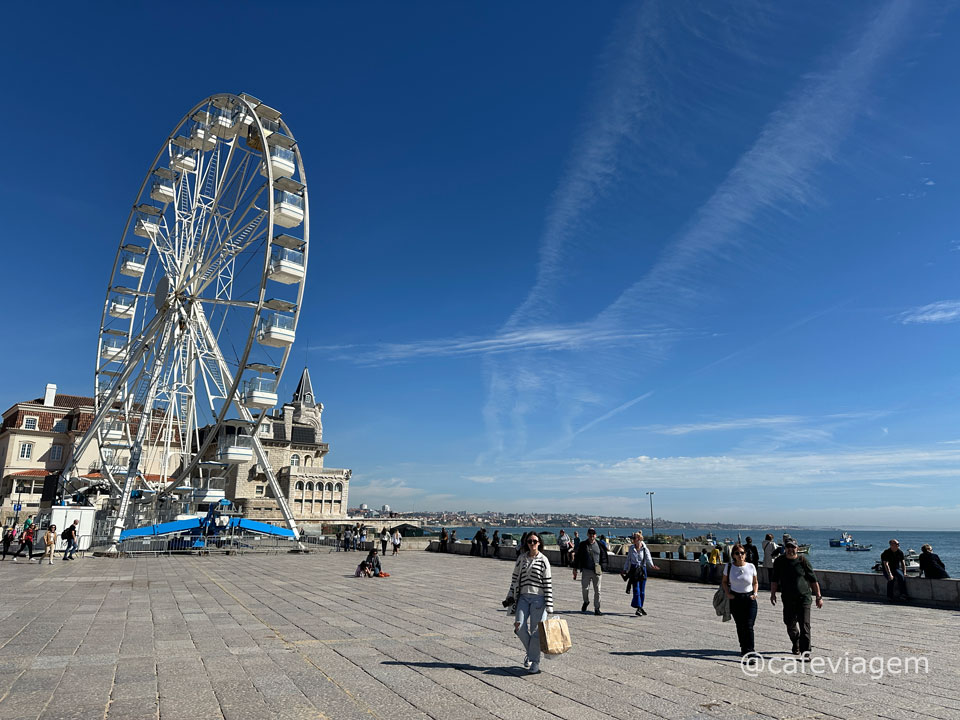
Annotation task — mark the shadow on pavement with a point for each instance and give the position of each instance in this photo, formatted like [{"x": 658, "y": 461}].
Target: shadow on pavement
[
  {"x": 466, "y": 667},
  {"x": 698, "y": 653}
]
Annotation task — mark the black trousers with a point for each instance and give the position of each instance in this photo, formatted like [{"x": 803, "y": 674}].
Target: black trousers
[
  {"x": 744, "y": 611},
  {"x": 897, "y": 582},
  {"x": 796, "y": 616}
]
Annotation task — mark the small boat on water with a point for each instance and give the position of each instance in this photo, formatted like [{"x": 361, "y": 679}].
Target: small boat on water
[
  {"x": 845, "y": 540},
  {"x": 857, "y": 547}
]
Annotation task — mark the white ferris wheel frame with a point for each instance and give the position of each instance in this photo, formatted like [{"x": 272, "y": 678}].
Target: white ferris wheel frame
[{"x": 127, "y": 396}]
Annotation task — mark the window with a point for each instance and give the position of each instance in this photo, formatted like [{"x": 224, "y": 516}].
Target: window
[
  {"x": 339, "y": 487},
  {"x": 309, "y": 487},
  {"x": 61, "y": 425},
  {"x": 265, "y": 429},
  {"x": 306, "y": 460},
  {"x": 294, "y": 460},
  {"x": 26, "y": 451},
  {"x": 259, "y": 490},
  {"x": 30, "y": 423},
  {"x": 299, "y": 485},
  {"x": 56, "y": 452},
  {"x": 330, "y": 487}
]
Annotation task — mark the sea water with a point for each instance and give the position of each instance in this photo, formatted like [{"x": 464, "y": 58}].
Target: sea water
[{"x": 822, "y": 556}]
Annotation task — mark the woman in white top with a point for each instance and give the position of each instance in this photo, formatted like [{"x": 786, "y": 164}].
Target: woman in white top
[
  {"x": 397, "y": 540},
  {"x": 740, "y": 585},
  {"x": 638, "y": 560},
  {"x": 531, "y": 589}
]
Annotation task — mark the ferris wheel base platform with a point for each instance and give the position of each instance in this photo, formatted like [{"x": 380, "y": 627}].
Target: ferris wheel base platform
[{"x": 182, "y": 526}]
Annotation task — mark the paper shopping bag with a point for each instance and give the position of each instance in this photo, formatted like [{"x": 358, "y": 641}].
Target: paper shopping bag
[{"x": 554, "y": 636}]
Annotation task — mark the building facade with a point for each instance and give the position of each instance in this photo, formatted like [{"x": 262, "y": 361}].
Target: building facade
[{"x": 293, "y": 440}]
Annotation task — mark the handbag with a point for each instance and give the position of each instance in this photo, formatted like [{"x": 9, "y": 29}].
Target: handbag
[{"x": 554, "y": 636}]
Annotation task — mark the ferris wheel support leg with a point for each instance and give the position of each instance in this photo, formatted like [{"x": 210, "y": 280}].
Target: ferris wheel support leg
[
  {"x": 107, "y": 403},
  {"x": 136, "y": 449},
  {"x": 258, "y": 450}
]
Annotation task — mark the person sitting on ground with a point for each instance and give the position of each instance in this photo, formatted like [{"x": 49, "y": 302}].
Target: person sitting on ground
[
  {"x": 930, "y": 564},
  {"x": 373, "y": 564}
]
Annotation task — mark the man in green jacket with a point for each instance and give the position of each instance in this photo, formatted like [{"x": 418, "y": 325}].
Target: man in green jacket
[{"x": 798, "y": 586}]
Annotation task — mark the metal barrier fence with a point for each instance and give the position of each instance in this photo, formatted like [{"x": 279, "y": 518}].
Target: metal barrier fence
[{"x": 226, "y": 545}]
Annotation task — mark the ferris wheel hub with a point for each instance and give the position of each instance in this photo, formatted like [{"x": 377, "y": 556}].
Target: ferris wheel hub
[{"x": 163, "y": 295}]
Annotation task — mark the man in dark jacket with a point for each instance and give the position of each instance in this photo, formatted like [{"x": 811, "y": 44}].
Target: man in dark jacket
[
  {"x": 753, "y": 554},
  {"x": 895, "y": 570},
  {"x": 590, "y": 561},
  {"x": 798, "y": 586}
]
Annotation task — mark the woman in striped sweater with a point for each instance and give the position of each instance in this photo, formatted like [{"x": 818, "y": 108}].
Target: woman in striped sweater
[{"x": 531, "y": 588}]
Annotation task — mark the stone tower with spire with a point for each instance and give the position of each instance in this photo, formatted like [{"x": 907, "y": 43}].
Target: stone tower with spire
[
  {"x": 293, "y": 440},
  {"x": 306, "y": 409}
]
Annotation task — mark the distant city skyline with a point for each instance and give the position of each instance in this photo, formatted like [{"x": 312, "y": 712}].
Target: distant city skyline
[{"x": 559, "y": 258}]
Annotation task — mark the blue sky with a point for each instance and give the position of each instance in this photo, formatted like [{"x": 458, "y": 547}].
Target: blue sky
[{"x": 561, "y": 254}]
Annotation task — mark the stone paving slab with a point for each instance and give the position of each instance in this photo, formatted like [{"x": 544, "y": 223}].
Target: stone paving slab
[{"x": 296, "y": 637}]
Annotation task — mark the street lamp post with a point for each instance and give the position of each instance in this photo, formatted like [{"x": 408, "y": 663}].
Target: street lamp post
[
  {"x": 650, "y": 495},
  {"x": 16, "y": 514}
]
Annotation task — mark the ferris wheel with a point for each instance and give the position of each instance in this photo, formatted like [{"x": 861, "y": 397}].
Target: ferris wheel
[{"x": 200, "y": 313}]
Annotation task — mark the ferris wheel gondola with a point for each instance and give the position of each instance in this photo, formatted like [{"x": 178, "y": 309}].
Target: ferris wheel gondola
[{"x": 201, "y": 310}]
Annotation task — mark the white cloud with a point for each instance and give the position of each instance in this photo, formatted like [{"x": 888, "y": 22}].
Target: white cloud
[
  {"x": 481, "y": 479},
  {"x": 725, "y": 425},
  {"x": 547, "y": 338},
  {"x": 944, "y": 311}
]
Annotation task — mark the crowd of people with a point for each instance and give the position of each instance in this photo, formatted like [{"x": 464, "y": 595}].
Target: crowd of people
[
  {"x": 792, "y": 583},
  {"x": 26, "y": 535}
]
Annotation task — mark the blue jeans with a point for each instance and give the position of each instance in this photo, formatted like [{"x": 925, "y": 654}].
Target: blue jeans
[
  {"x": 71, "y": 548},
  {"x": 639, "y": 588},
  {"x": 531, "y": 611}
]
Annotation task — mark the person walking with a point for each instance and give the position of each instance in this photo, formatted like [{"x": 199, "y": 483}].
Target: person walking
[
  {"x": 531, "y": 588},
  {"x": 931, "y": 566},
  {"x": 590, "y": 560},
  {"x": 9, "y": 535},
  {"x": 638, "y": 560},
  {"x": 49, "y": 545},
  {"x": 69, "y": 536},
  {"x": 793, "y": 577},
  {"x": 716, "y": 560},
  {"x": 495, "y": 542},
  {"x": 741, "y": 585},
  {"x": 26, "y": 541},
  {"x": 563, "y": 542},
  {"x": 576, "y": 540},
  {"x": 769, "y": 551},
  {"x": 348, "y": 540},
  {"x": 397, "y": 539},
  {"x": 384, "y": 540},
  {"x": 895, "y": 570},
  {"x": 704, "y": 566},
  {"x": 753, "y": 555}
]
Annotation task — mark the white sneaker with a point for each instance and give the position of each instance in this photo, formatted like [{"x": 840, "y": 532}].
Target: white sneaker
[
  {"x": 14, "y": 559},
  {"x": 534, "y": 669},
  {"x": 49, "y": 562},
  {"x": 526, "y": 661}
]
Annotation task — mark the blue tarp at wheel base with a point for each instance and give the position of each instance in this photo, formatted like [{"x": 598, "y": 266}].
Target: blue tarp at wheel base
[{"x": 179, "y": 526}]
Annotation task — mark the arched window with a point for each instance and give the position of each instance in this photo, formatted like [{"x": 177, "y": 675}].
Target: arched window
[
  {"x": 299, "y": 486},
  {"x": 307, "y": 460},
  {"x": 330, "y": 487},
  {"x": 309, "y": 487},
  {"x": 339, "y": 487},
  {"x": 294, "y": 460}
]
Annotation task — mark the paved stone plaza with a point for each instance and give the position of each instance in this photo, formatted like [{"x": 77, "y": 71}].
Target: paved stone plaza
[{"x": 287, "y": 636}]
